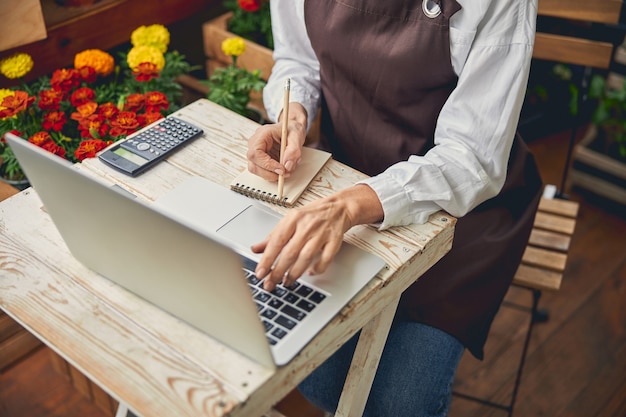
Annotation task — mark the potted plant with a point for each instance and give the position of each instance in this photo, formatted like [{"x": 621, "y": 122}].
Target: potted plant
[
  {"x": 249, "y": 19},
  {"x": 232, "y": 85},
  {"x": 76, "y": 112},
  {"x": 600, "y": 157}
]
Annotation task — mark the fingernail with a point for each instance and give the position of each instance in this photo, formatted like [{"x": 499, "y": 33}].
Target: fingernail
[
  {"x": 288, "y": 165},
  {"x": 260, "y": 273},
  {"x": 279, "y": 171}
]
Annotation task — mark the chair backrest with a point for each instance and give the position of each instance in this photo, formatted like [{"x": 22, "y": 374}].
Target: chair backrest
[{"x": 572, "y": 49}]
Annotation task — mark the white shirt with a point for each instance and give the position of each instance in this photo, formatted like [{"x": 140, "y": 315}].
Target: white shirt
[{"x": 491, "y": 44}]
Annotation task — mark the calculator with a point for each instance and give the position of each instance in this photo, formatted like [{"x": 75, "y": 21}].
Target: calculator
[{"x": 139, "y": 152}]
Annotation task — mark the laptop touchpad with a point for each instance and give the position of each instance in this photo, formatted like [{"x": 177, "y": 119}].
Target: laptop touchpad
[{"x": 250, "y": 226}]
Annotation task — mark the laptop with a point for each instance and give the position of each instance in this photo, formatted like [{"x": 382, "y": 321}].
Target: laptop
[{"x": 188, "y": 253}]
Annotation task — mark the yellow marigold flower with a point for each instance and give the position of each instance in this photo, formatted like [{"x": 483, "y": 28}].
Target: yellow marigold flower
[
  {"x": 99, "y": 60},
  {"x": 153, "y": 35},
  {"x": 5, "y": 92},
  {"x": 16, "y": 65},
  {"x": 234, "y": 46},
  {"x": 140, "y": 54}
]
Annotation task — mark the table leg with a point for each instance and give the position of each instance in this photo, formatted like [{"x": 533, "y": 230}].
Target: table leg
[
  {"x": 365, "y": 362},
  {"x": 122, "y": 410}
]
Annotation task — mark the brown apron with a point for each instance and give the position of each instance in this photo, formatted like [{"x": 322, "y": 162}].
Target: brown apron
[{"x": 386, "y": 72}]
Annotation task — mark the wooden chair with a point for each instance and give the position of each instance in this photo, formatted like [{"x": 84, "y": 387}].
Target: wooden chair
[{"x": 545, "y": 258}]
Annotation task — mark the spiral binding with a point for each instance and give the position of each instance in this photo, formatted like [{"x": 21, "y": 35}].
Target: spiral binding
[{"x": 259, "y": 194}]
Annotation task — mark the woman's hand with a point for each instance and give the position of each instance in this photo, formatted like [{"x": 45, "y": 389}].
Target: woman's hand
[
  {"x": 264, "y": 146},
  {"x": 309, "y": 237}
]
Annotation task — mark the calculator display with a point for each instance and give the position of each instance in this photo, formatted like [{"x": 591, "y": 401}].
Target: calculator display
[{"x": 132, "y": 157}]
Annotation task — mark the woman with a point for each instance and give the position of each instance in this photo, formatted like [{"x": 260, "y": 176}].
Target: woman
[{"x": 424, "y": 97}]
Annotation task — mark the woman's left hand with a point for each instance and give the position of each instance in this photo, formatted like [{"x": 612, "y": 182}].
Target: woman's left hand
[{"x": 308, "y": 238}]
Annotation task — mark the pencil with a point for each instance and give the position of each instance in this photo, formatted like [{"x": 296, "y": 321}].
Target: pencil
[{"x": 283, "y": 136}]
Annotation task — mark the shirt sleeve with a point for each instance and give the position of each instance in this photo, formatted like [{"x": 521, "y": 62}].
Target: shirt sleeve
[{"x": 293, "y": 58}]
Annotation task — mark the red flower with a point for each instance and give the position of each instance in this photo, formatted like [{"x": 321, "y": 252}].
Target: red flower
[
  {"x": 40, "y": 138},
  {"x": 15, "y": 132},
  {"x": 124, "y": 124},
  {"x": 65, "y": 79},
  {"x": 146, "y": 71},
  {"x": 89, "y": 148},
  {"x": 108, "y": 111},
  {"x": 134, "y": 102},
  {"x": 87, "y": 74},
  {"x": 93, "y": 127},
  {"x": 52, "y": 147},
  {"x": 50, "y": 99},
  {"x": 249, "y": 5},
  {"x": 82, "y": 96},
  {"x": 155, "y": 101},
  {"x": 55, "y": 120},
  {"x": 15, "y": 104}
]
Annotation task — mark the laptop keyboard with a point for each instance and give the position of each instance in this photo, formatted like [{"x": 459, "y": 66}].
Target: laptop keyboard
[{"x": 282, "y": 309}]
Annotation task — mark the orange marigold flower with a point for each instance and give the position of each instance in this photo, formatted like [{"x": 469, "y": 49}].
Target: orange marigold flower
[
  {"x": 99, "y": 60},
  {"x": 155, "y": 101},
  {"x": 145, "y": 71},
  {"x": 89, "y": 148},
  {"x": 40, "y": 138},
  {"x": 84, "y": 110},
  {"x": 18, "y": 102},
  {"x": 82, "y": 96},
  {"x": 149, "y": 118},
  {"x": 52, "y": 147},
  {"x": 65, "y": 79},
  {"x": 55, "y": 120},
  {"x": 93, "y": 127},
  {"x": 50, "y": 99},
  {"x": 124, "y": 124},
  {"x": 134, "y": 102},
  {"x": 108, "y": 110}
]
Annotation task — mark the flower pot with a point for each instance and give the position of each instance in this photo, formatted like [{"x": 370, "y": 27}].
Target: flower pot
[
  {"x": 19, "y": 184},
  {"x": 600, "y": 172},
  {"x": 255, "y": 57}
]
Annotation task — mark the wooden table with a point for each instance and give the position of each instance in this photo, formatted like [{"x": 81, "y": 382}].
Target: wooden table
[{"x": 151, "y": 361}]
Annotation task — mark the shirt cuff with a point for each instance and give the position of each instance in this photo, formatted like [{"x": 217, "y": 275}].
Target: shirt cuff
[
  {"x": 273, "y": 97},
  {"x": 398, "y": 208}
]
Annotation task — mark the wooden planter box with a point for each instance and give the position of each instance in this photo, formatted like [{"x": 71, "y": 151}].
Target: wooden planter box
[
  {"x": 598, "y": 172},
  {"x": 256, "y": 57}
]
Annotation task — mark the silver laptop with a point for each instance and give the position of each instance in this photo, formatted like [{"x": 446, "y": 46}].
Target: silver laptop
[{"x": 188, "y": 254}]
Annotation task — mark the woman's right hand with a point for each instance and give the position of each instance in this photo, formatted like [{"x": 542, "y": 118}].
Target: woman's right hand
[{"x": 264, "y": 146}]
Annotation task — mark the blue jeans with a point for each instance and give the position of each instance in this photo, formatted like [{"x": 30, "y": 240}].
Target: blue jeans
[{"x": 414, "y": 377}]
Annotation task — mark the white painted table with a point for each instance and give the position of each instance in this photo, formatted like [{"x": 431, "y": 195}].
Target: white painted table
[{"x": 158, "y": 365}]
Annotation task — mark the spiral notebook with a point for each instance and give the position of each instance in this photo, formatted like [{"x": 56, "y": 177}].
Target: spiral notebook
[{"x": 254, "y": 186}]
